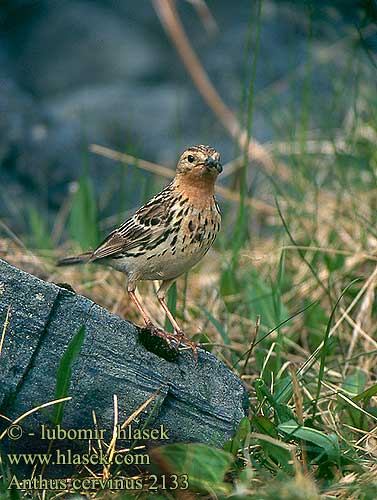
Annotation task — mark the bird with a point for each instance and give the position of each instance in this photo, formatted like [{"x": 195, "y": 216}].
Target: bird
[{"x": 167, "y": 236}]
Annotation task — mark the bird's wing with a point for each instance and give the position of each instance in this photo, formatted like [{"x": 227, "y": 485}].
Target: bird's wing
[{"x": 147, "y": 228}]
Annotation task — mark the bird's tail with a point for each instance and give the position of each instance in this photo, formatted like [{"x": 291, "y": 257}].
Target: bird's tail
[{"x": 77, "y": 259}]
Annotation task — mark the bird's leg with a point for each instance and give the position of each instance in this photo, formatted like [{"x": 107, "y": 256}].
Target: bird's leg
[
  {"x": 169, "y": 338},
  {"x": 161, "y": 294},
  {"x": 140, "y": 307}
]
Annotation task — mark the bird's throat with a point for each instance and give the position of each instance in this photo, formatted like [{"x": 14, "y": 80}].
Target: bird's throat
[{"x": 198, "y": 188}]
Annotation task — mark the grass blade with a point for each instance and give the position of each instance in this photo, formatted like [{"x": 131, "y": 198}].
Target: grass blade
[{"x": 64, "y": 372}]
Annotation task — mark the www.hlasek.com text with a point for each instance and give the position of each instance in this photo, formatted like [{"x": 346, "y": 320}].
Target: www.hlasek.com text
[{"x": 67, "y": 457}]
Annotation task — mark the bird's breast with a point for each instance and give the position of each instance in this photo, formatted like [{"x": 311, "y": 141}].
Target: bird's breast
[{"x": 192, "y": 232}]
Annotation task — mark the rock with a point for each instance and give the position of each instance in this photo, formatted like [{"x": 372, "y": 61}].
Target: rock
[{"x": 199, "y": 400}]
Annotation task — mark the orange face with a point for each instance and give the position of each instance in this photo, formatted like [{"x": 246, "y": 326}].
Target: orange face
[
  {"x": 197, "y": 171},
  {"x": 201, "y": 161}
]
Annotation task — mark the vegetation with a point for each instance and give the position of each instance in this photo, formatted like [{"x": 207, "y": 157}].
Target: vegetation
[{"x": 286, "y": 298}]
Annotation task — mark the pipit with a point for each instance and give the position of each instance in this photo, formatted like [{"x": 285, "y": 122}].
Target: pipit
[{"x": 166, "y": 236}]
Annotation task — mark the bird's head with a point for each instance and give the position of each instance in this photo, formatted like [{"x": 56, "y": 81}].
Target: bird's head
[{"x": 201, "y": 162}]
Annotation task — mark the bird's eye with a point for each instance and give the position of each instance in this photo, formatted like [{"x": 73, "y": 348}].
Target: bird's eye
[{"x": 190, "y": 158}]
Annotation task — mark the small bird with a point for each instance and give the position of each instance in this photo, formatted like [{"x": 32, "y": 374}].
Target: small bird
[{"x": 166, "y": 236}]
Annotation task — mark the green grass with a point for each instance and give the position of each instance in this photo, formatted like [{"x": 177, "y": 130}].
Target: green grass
[{"x": 64, "y": 373}]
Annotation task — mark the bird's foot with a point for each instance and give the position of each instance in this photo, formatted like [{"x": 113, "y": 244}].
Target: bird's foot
[
  {"x": 170, "y": 339},
  {"x": 182, "y": 339},
  {"x": 173, "y": 340}
]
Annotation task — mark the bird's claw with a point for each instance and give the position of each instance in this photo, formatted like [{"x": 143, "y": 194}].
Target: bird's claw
[
  {"x": 182, "y": 339},
  {"x": 172, "y": 340},
  {"x": 169, "y": 338}
]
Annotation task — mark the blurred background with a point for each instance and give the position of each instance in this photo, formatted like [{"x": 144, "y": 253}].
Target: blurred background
[{"x": 75, "y": 73}]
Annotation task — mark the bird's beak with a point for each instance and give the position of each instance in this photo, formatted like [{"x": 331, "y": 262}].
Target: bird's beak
[{"x": 213, "y": 163}]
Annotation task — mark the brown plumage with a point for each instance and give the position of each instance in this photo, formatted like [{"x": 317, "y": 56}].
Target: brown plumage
[{"x": 168, "y": 235}]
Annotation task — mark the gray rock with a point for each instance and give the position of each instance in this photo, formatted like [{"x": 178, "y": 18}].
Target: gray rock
[{"x": 199, "y": 400}]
